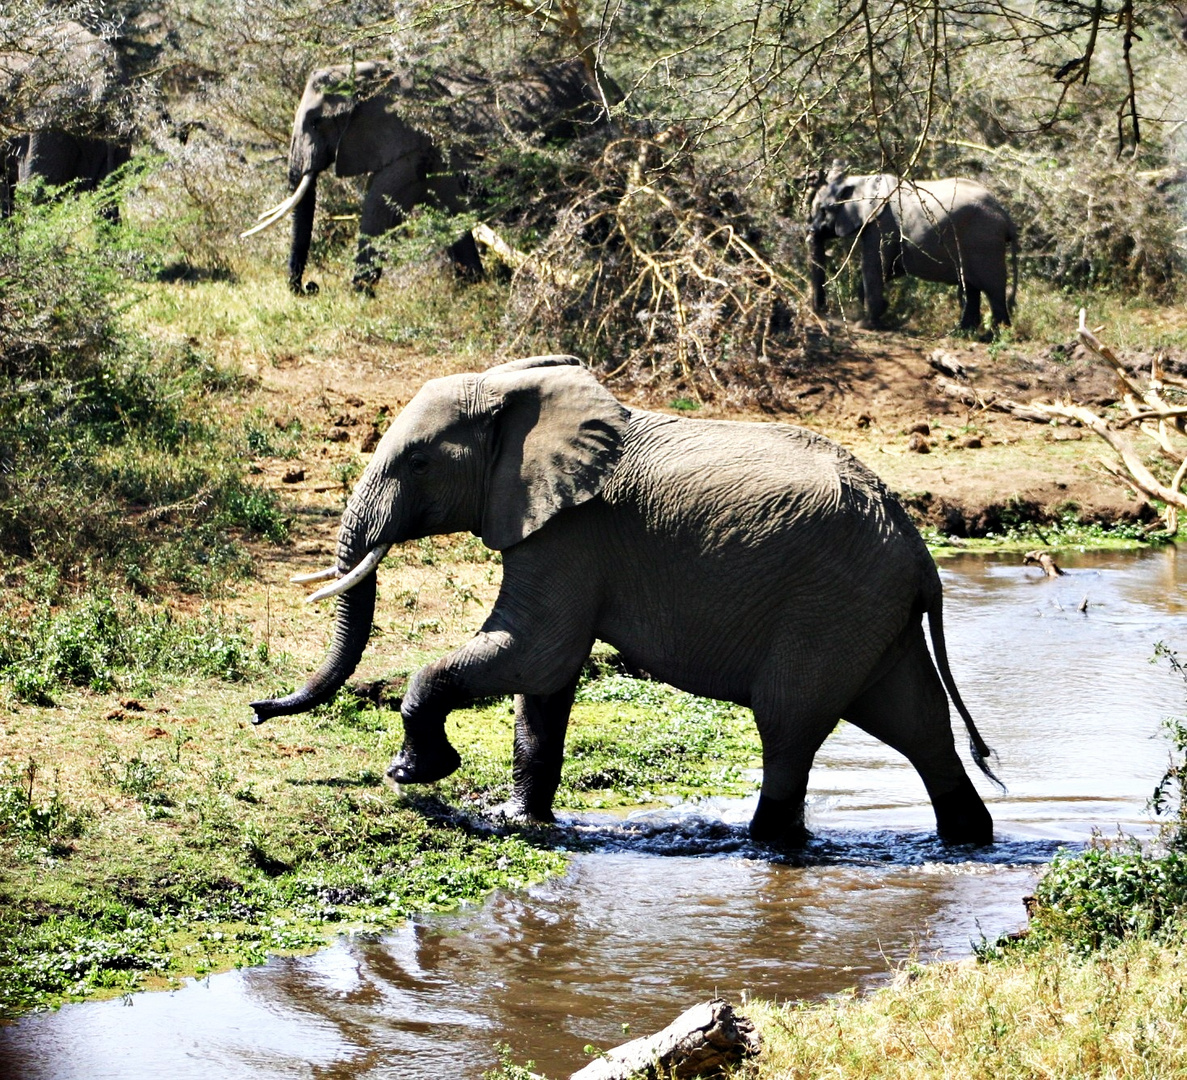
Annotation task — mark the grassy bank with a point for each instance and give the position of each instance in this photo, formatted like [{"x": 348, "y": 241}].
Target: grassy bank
[
  {"x": 153, "y": 835},
  {"x": 1121, "y": 1012}
]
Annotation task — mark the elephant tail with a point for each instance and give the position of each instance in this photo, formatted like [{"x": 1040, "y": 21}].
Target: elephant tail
[{"x": 977, "y": 746}]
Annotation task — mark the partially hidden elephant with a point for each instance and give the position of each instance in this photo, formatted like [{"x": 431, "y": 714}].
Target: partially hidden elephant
[
  {"x": 756, "y": 563},
  {"x": 63, "y": 85},
  {"x": 356, "y": 118},
  {"x": 952, "y": 231}
]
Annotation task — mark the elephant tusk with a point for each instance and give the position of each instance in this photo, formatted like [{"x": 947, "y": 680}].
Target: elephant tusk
[
  {"x": 349, "y": 580},
  {"x": 317, "y": 575},
  {"x": 275, "y": 213}
]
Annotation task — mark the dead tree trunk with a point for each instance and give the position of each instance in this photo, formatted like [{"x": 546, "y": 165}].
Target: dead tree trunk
[{"x": 701, "y": 1042}]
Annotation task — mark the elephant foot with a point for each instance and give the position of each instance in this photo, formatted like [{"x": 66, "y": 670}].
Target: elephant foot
[
  {"x": 517, "y": 812},
  {"x": 423, "y": 761},
  {"x": 779, "y": 823},
  {"x": 961, "y": 817}
]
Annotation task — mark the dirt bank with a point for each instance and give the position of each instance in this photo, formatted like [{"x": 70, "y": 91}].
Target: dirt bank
[{"x": 965, "y": 469}]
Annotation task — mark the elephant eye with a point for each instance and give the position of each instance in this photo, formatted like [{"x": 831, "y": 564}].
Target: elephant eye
[{"x": 418, "y": 463}]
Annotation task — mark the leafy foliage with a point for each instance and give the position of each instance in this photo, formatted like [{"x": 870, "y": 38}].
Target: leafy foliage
[
  {"x": 103, "y": 639},
  {"x": 113, "y": 455}
]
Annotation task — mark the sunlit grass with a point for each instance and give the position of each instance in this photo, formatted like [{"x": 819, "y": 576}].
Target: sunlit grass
[
  {"x": 254, "y": 318},
  {"x": 1119, "y": 1013}
]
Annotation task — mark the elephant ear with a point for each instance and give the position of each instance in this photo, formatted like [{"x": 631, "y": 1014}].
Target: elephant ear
[
  {"x": 849, "y": 210},
  {"x": 374, "y": 134},
  {"x": 556, "y": 437}
]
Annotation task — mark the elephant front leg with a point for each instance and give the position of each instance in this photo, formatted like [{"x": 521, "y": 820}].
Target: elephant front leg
[
  {"x": 872, "y": 279},
  {"x": 427, "y": 754},
  {"x": 391, "y": 193},
  {"x": 544, "y": 667}
]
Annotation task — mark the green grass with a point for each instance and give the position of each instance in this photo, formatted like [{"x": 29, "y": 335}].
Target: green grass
[
  {"x": 1068, "y": 533},
  {"x": 254, "y": 319}
]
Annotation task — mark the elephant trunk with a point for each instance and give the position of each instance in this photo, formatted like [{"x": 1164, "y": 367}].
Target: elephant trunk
[
  {"x": 352, "y": 628},
  {"x": 302, "y": 234},
  {"x": 816, "y": 269}
]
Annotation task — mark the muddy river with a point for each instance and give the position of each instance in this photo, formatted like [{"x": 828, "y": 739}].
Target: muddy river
[{"x": 675, "y": 906}]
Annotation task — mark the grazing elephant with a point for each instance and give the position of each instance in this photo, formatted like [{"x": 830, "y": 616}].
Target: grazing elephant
[
  {"x": 353, "y": 117},
  {"x": 952, "y": 231},
  {"x": 754, "y": 563},
  {"x": 61, "y": 84}
]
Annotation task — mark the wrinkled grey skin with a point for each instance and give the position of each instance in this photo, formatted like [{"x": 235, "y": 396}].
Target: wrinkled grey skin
[
  {"x": 755, "y": 563},
  {"x": 61, "y": 84},
  {"x": 952, "y": 231},
  {"x": 353, "y": 117}
]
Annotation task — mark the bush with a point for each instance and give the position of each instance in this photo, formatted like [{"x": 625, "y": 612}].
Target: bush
[
  {"x": 114, "y": 456},
  {"x": 102, "y": 639},
  {"x": 1118, "y": 889}
]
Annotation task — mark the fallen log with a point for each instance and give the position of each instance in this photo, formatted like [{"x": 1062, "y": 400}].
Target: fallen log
[{"x": 703, "y": 1041}]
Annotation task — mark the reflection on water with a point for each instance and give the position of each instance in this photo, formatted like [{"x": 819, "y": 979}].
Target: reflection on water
[{"x": 676, "y": 905}]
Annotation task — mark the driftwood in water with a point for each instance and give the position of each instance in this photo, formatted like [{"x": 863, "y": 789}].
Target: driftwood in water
[
  {"x": 700, "y": 1042},
  {"x": 1045, "y": 561}
]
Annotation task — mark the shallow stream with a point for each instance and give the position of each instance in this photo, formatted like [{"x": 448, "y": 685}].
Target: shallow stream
[{"x": 675, "y": 906}]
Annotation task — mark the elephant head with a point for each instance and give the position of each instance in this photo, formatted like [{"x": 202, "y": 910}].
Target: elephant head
[
  {"x": 497, "y": 454},
  {"x": 842, "y": 206}
]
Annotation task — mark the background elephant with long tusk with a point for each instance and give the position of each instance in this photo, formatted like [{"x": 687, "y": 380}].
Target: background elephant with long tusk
[
  {"x": 356, "y": 118},
  {"x": 953, "y": 231},
  {"x": 755, "y": 563}
]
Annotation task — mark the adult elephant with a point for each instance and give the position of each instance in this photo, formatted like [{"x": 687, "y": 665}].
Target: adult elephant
[
  {"x": 355, "y": 117},
  {"x": 755, "y": 563},
  {"x": 953, "y": 231},
  {"x": 63, "y": 84}
]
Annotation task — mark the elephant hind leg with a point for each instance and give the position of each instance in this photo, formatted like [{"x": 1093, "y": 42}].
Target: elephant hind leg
[
  {"x": 907, "y": 709},
  {"x": 970, "y": 315},
  {"x": 541, "y": 721},
  {"x": 998, "y": 306}
]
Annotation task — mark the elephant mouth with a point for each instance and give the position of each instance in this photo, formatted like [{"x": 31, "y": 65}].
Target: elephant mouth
[{"x": 343, "y": 582}]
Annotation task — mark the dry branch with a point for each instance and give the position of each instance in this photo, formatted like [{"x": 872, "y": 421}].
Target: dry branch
[
  {"x": 1143, "y": 404},
  {"x": 968, "y": 396},
  {"x": 703, "y": 1041}
]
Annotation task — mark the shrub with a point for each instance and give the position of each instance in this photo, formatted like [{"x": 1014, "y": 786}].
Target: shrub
[
  {"x": 114, "y": 457},
  {"x": 102, "y": 639}
]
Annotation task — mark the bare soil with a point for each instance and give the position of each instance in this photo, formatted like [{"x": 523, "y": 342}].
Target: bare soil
[{"x": 959, "y": 467}]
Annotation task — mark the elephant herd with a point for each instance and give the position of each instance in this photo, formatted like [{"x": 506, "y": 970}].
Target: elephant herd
[
  {"x": 359, "y": 119},
  {"x": 760, "y": 564}
]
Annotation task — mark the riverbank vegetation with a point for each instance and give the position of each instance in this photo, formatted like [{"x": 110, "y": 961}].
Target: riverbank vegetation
[{"x": 178, "y": 432}]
